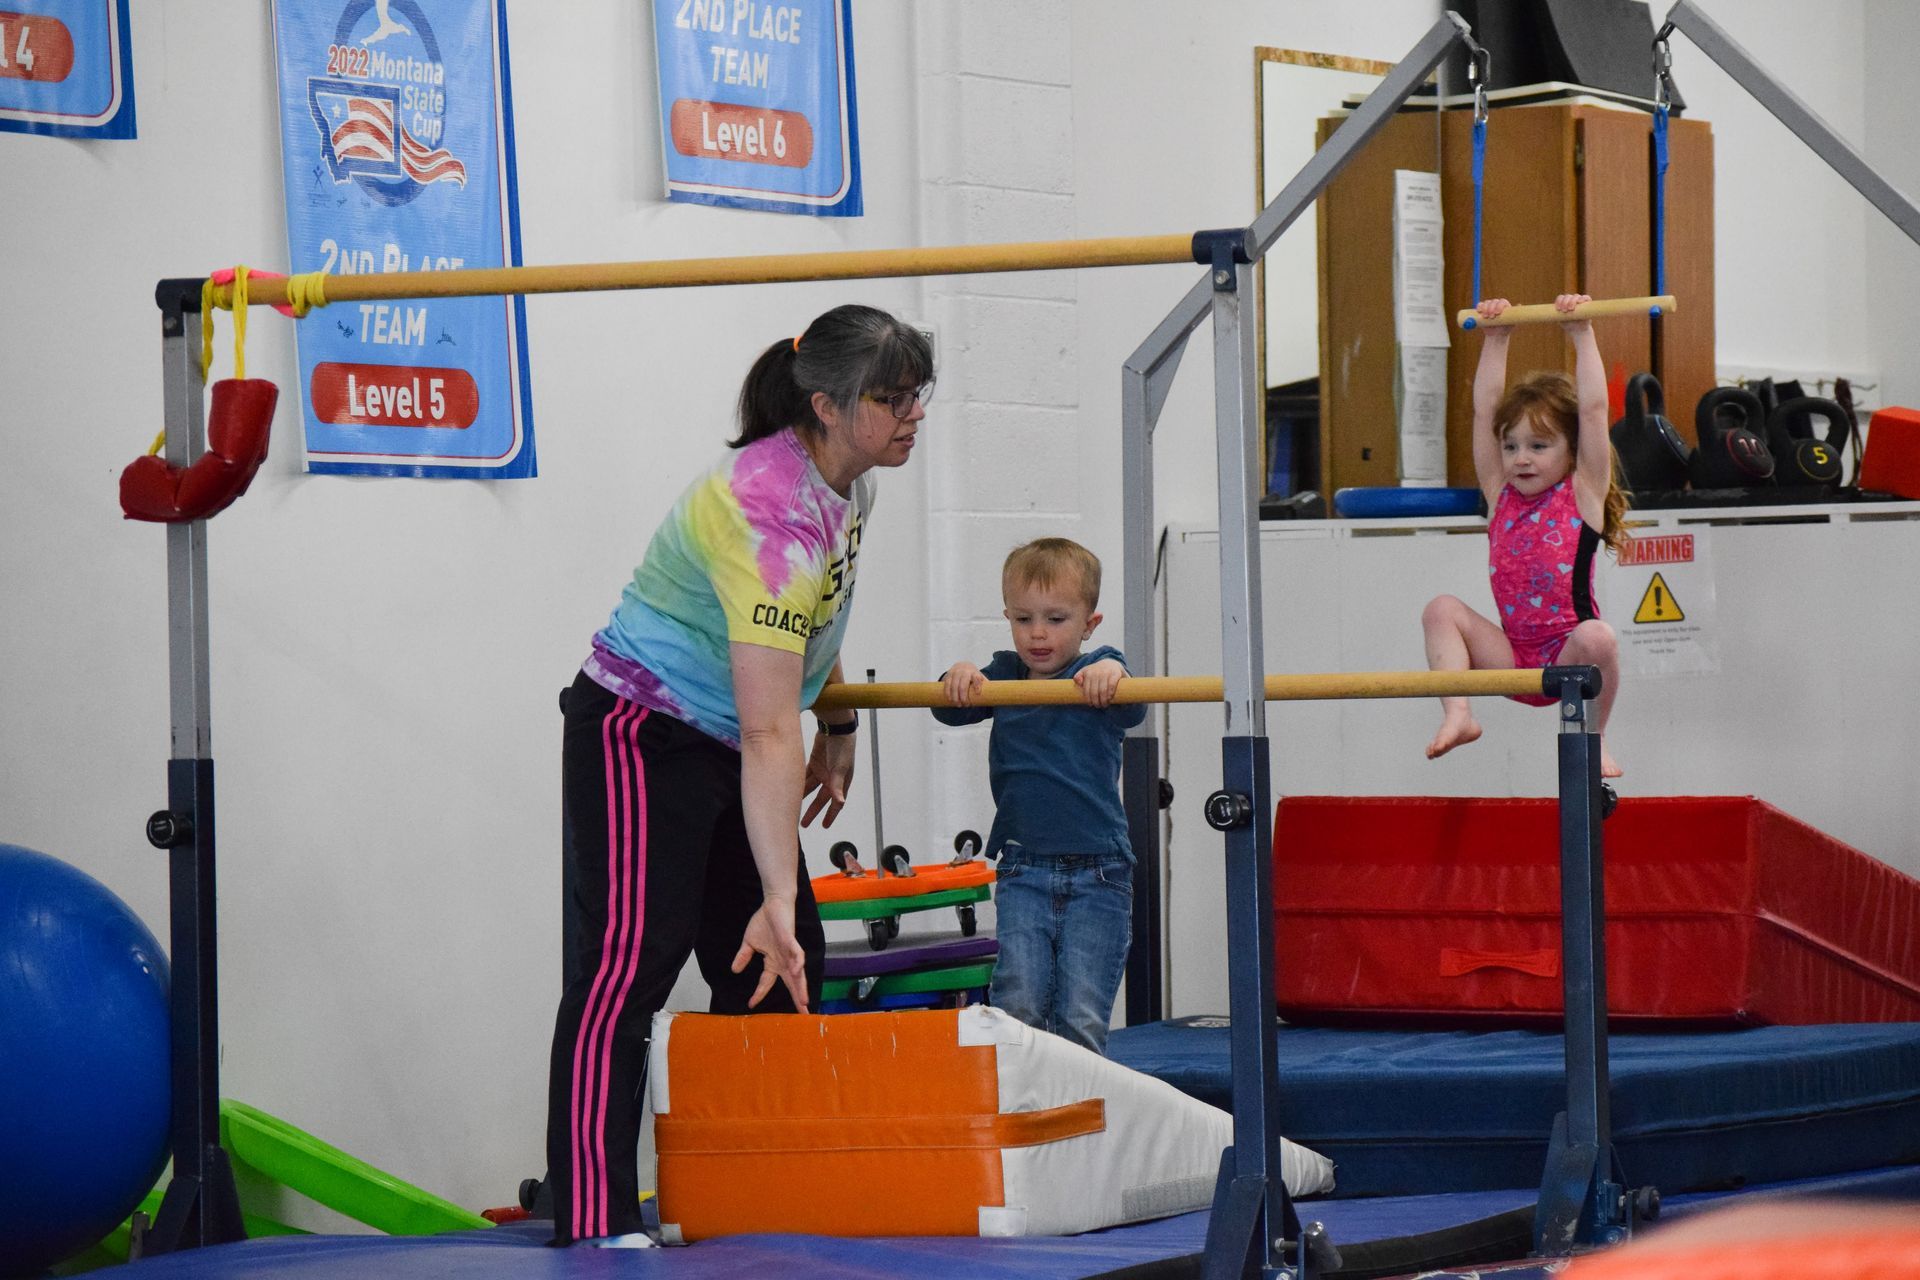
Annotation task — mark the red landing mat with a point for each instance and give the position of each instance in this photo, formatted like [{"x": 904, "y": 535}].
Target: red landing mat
[{"x": 1721, "y": 910}]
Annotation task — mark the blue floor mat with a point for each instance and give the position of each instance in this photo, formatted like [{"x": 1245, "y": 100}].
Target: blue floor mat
[{"x": 521, "y": 1250}]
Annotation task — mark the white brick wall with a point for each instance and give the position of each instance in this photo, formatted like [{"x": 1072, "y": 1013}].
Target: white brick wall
[{"x": 996, "y": 131}]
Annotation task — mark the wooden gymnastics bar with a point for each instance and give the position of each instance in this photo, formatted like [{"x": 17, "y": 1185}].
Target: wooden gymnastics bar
[
  {"x": 862, "y": 264},
  {"x": 1544, "y": 312},
  {"x": 1290, "y": 688}
]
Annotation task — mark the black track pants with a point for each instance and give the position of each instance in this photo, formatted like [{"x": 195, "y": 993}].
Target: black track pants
[{"x": 660, "y": 867}]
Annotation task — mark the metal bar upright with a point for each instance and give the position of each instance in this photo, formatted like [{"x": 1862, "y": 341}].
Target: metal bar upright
[
  {"x": 1253, "y": 1227},
  {"x": 1761, "y": 85},
  {"x": 1144, "y": 382},
  {"x": 1581, "y": 1203},
  {"x": 1253, "y": 1222},
  {"x": 201, "y": 1205}
]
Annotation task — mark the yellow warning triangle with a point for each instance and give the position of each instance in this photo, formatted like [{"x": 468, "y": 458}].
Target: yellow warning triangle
[{"x": 1658, "y": 604}]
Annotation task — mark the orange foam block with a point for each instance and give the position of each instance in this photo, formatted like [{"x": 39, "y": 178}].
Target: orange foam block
[
  {"x": 1891, "y": 461},
  {"x": 952, "y": 1122}
]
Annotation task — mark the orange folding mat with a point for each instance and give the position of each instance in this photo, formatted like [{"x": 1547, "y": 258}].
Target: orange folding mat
[{"x": 920, "y": 1123}]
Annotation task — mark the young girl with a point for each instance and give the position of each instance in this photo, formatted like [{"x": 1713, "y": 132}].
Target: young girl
[{"x": 1545, "y": 464}]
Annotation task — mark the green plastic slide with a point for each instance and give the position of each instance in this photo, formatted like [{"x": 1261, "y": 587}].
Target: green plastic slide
[
  {"x": 300, "y": 1162},
  {"x": 346, "y": 1184}
]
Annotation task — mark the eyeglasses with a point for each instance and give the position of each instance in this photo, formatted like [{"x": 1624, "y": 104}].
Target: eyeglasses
[{"x": 900, "y": 403}]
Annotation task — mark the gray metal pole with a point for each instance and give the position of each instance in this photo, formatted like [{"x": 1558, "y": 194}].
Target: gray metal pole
[
  {"x": 1253, "y": 1222},
  {"x": 1711, "y": 40},
  {"x": 1582, "y": 1204},
  {"x": 1144, "y": 383},
  {"x": 1145, "y": 380},
  {"x": 1253, "y": 1225},
  {"x": 879, "y": 822},
  {"x": 188, "y": 682},
  {"x": 201, "y": 1205}
]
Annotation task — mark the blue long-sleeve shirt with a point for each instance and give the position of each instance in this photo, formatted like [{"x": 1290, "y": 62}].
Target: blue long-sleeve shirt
[{"x": 1054, "y": 770}]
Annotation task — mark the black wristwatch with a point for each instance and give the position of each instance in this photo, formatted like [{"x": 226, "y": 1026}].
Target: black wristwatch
[{"x": 838, "y": 730}]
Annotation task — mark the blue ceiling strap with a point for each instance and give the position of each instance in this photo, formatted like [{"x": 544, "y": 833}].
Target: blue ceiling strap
[
  {"x": 1662, "y": 97},
  {"x": 1659, "y": 200},
  {"x": 1479, "y": 191}
]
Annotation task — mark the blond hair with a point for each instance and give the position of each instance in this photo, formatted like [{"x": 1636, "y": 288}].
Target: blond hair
[
  {"x": 1051, "y": 562},
  {"x": 1549, "y": 402}
]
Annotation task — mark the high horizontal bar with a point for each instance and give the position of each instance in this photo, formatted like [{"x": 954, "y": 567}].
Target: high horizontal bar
[
  {"x": 1283, "y": 688},
  {"x": 1546, "y": 312},
  {"x": 677, "y": 273}
]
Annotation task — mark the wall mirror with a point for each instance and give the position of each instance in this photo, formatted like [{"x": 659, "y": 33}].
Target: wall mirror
[{"x": 1300, "y": 97}]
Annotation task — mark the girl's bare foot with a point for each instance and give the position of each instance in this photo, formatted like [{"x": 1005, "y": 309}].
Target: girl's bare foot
[
  {"x": 1608, "y": 769},
  {"x": 1457, "y": 730}
]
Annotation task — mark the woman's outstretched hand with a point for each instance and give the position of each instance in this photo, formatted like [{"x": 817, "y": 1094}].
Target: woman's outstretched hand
[
  {"x": 829, "y": 775},
  {"x": 769, "y": 935}
]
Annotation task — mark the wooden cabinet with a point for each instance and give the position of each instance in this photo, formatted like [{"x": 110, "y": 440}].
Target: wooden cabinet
[{"x": 1568, "y": 207}]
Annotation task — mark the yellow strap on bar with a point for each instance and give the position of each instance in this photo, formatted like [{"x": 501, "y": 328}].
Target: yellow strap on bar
[
  {"x": 306, "y": 291},
  {"x": 1294, "y": 688},
  {"x": 207, "y": 305},
  {"x": 864, "y": 264},
  {"x": 234, "y": 298},
  {"x": 239, "y": 304},
  {"x": 1543, "y": 312}
]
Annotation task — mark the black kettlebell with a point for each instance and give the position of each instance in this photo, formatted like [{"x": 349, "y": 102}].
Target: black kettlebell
[
  {"x": 1652, "y": 454},
  {"x": 1802, "y": 457},
  {"x": 1732, "y": 453}
]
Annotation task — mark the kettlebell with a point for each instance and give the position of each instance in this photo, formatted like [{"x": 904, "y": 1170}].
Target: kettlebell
[
  {"x": 1652, "y": 454},
  {"x": 1732, "y": 453},
  {"x": 1802, "y": 457}
]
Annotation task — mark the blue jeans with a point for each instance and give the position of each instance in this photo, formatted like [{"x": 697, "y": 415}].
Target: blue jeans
[{"x": 1064, "y": 925}]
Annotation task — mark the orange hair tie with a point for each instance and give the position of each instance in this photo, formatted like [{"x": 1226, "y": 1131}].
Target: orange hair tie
[{"x": 796, "y": 342}]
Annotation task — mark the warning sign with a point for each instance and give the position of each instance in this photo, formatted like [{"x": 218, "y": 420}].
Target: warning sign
[
  {"x": 1658, "y": 548},
  {"x": 1658, "y": 594},
  {"x": 1658, "y": 604}
]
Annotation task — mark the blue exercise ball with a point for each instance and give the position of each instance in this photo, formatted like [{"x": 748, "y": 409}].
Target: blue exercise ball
[{"x": 84, "y": 1060}]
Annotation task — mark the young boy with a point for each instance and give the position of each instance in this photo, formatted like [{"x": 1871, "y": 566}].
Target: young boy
[{"x": 1065, "y": 899}]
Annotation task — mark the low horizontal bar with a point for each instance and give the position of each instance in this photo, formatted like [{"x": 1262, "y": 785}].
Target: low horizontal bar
[
  {"x": 1294, "y": 688},
  {"x": 863, "y": 264},
  {"x": 1546, "y": 312}
]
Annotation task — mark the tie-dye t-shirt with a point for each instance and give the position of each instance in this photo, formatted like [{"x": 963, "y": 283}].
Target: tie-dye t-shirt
[{"x": 759, "y": 550}]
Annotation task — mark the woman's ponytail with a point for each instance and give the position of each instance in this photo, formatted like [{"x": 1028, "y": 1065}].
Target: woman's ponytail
[
  {"x": 770, "y": 399},
  {"x": 844, "y": 353}
]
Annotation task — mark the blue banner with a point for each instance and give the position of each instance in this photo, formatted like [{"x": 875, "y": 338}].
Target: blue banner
[
  {"x": 396, "y": 132},
  {"x": 757, "y": 104},
  {"x": 66, "y": 68}
]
